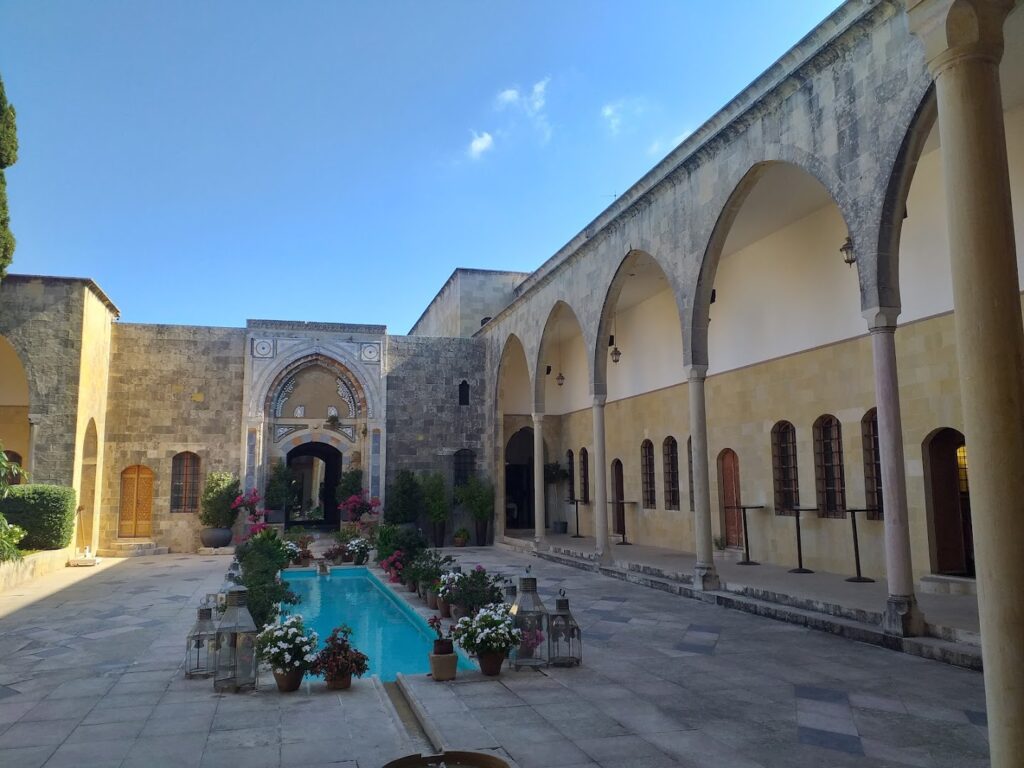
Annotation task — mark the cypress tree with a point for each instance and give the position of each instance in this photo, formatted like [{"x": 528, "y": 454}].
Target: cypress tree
[{"x": 8, "y": 156}]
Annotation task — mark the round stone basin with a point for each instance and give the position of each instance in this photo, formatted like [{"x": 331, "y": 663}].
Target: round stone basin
[{"x": 449, "y": 760}]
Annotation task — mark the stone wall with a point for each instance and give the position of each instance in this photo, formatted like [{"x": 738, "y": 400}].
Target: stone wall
[
  {"x": 466, "y": 298},
  {"x": 172, "y": 388},
  {"x": 425, "y": 423}
]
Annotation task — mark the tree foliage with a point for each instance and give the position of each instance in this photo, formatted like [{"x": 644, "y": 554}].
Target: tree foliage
[
  {"x": 435, "y": 497},
  {"x": 8, "y": 156},
  {"x": 477, "y": 495},
  {"x": 404, "y": 499}
]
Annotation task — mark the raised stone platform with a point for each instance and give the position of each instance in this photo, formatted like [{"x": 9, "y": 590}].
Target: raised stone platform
[
  {"x": 217, "y": 550},
  {"x": 131, "y": 548}
]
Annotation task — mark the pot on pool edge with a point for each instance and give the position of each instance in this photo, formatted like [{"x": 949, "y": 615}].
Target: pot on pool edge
[{"x": 215, "y": 537}]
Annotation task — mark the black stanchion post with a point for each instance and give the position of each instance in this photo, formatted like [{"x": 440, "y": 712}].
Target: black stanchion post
[
  {"x": 746, "y": 538},
  {"x": 799, "y": 547},
  {"x": 859, "y": 578},
  {"x": 577, "y": 534}
]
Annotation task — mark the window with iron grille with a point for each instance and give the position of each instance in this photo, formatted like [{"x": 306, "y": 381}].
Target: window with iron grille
[
  {"x": 464, "y": 393},
  {"x": 829, "y": 481},
  {"x": 185, "y": 482},
  {"x": 670, "y": 460},
  {"x": 584, "y": 476},
  {"x": 872, "y": 465},
  {"x": 571, "y": 467},
  {"x": 647, "y": 474},
  {"x": 784, "y": 469},
  {"x": 689, "y": 467},
  {"x": 465, "y": 467}
]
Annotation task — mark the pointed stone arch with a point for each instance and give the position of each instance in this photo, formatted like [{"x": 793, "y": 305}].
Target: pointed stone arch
[{"x": 560, "y": 318}]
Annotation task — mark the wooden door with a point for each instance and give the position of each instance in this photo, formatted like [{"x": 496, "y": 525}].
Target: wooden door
[
  {"x": 618, "y": 494},
  {"x": 729, "y": 493},
  {"x": 135, "y": 518}
]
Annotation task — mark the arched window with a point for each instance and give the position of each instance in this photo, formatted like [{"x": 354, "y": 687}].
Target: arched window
[
  {"x": 13, "y": 458},
  {"x": 670, "y": 469},
  {"x": 465, "y": 467},
  {"x": 872, "y": 465},
  {"x": 464, "y": 393},
  {"x": 571, "y": 467},
  {"x": 784, "y": 470},
  {"x": 185, "y": 482},
  {"x": 584, "y": 476},
  {"x": 829, "y": 481},
  {"x": 647, "y": 474},
  {"x": 689, "y": 468}
]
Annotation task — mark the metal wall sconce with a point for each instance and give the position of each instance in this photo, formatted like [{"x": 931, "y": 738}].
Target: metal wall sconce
[
  {"x": 849, "y": 257},
  {"x": 560, "y": 379}
]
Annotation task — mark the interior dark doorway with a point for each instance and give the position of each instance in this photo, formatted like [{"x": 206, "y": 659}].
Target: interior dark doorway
[
  {"x": 316, "y": 470},
  {"x": 519, "y": 480},
  {"x": 949, "y": 502}
]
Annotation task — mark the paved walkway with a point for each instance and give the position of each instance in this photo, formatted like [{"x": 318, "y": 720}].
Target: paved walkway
[
  {"x": 668, "y": 681},
  {"x": 955, "y": 611},
  {"x": 90, "y": 677}
]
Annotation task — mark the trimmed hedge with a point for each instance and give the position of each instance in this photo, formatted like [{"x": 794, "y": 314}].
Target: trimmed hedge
[{"x": 46, "y": 512}]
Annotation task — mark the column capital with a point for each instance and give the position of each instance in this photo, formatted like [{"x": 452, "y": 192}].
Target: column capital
[
  {"x": 696, "y": 372},
  {"x": 881, "y": 318},
  {"x": 538, "y": 418},
  {"x": 599, "y": 400},
  {"x": 957, "y": 30}
]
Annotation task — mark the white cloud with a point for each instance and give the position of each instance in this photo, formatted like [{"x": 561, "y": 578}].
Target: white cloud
[
  {"x": 535, "y": 103},
  {"x": 481, "y": 143},
  {"x": 527, "y": 103},
  {"x": 506, "y": 98},
  {"x": 612, "y": 113}
]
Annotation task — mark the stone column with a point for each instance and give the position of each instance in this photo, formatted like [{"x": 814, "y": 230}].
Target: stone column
[
  {"x": 538, "y": 479},
  {"x": 30, "y": 460},
  {"x": 600, "y": 483},
  {"x": 963, "y": 45},
  {"x": 704, "y": 574},
  {"x": 499, "y": 478},
  {"x": 902, "y": 615}
]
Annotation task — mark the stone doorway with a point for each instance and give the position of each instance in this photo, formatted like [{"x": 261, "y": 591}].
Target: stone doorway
[
  {"x": 519, "y": 480},
  {"x": 135, "y": 515},
  {"x": 729, "y": 496},
  {"x": 619, "y": 498},
  {"x": 316, "y": 468},
  {"x": 949, "y": 503}
]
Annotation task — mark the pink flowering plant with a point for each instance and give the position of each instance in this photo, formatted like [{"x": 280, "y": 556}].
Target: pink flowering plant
[
  {"x": 393, "y": 565},
  {"x": 532, "y": 639},
  {"x": 249, "y": 501},
  {"x": 359, "y": 504},
  {"x": 287, "y": 646}
]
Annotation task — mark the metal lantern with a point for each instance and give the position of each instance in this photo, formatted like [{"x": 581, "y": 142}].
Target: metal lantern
[
  {"x": 510, "y": 592},
  {"x": 531, "y": 618},
  {"x": 565, "y": 639},
  {"x": 199, "y": 645},
  {"x": 235, "y": 666},
  {"x": 222, "y": 594}
]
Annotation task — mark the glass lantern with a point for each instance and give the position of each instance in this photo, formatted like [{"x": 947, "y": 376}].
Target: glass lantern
[
  {"x": 235, "y": 665},
  {"x": 222, "y": 593},
  {"x": 565, "y": 639},
  {"x": 531, "y": 618},
  {"x": 510, "y": 592},
  {"x": 199, "y": 645}
]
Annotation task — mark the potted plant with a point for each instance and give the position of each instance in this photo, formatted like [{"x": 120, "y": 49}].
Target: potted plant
[
  {"x": 217, "y": 509},
  {"x": 490, "y": 635},
  {"x": 436, "y": 503},
  {"x": 338, "y": 660},
  {"x": 279, "y": 492},
  {"x": 429, "y": 565},
  {"x": 443, "y": 660},
  {"x": 477, "y": 496},
  {"x": 337, "y": 554},
  {"x": 446, "y": 586},
  {"x": 359, "y": 550},
  {"x": 473, "y": 591},
  {"x": 460, "y": 538},
  {"x": 290, "y": 649},
  {"x": 359, "y": 504},
  {"x": 292, "y": 551}
]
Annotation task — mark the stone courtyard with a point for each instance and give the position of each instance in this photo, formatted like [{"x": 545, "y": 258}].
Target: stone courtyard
[{"x": 91, "y": 677}]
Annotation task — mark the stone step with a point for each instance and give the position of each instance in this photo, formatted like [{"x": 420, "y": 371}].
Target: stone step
[
  {"x": 937, "y": 584},
  {"x": 131, "y": 548}
]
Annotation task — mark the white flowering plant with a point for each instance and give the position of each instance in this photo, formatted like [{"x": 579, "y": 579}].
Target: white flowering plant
[
  {"x": 490, "y": 630},
  {"x": 288, "y": 645},
  {"x": 358, "y": 547},
  {"x": 292, "y": 549},
  {"x": 446, "y": 585}
]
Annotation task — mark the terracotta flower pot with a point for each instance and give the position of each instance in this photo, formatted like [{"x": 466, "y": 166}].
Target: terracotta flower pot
[
  {"x": 360, "y": 559},
  {"x": 340, "y": 683},
  {"x": 443, "y": 666},
  {"x": 432, "y": 600},
  {"x": 410, "y": 585},
  {"x": 490, "y": 662},
  {"x": 460, "y": 541},
  {"x": 346, "y": 557},
  {"x": 288, "y": 682},
  {"x": 444, "y": 608},
  {"x": 443, "y": 646}
]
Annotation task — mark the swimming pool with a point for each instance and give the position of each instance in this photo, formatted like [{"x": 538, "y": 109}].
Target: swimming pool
[{"x": 394, "y": 637}]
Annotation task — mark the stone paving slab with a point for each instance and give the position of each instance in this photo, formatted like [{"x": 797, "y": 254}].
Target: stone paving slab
[{"x": 746, "y": 692}]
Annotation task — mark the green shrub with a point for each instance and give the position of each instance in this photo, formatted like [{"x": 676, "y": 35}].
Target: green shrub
[
  {"x": 350, "y": 484},
  {"x": 478, "y": 497},
  {"x": 46, "y": 512},
  {"x": 10, "y": 535},
  {"x": 390, "y": 539},
  {"x": 262, "y": 557},
  {"x": 435, "y": 497},
  {"x": 219, "y": 494},
  {"x": 279, "y": 487},
  {"x": 404, "y": 499}
]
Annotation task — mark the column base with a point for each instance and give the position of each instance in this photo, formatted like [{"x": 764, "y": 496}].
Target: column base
[
  {"x": 705, "y": 578},
  {"x": 902, "y": 616}
]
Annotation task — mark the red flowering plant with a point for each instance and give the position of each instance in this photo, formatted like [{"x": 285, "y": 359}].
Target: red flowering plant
[
  {"x": 443, "y": 644},
  {"x": 249, "y": 501},
  {"x": 339, "y": 658},
  {"x": 393, "y": 565},
  {"x": 359, "y": 504}
]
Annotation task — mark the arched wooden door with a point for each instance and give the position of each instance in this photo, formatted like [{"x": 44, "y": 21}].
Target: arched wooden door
[
  {"x": 135, "y": 518},
  {"x": 950, "y": 503},
  {"x": 618, "y": 496},
  {"x": 729, "y": 493}
]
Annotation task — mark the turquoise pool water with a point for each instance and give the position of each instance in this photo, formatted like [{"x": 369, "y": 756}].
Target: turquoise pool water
[{"x": 394, "y": 637}]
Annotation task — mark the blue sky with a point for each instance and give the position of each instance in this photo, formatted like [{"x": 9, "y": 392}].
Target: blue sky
[{"x": 207, "y": 162}]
